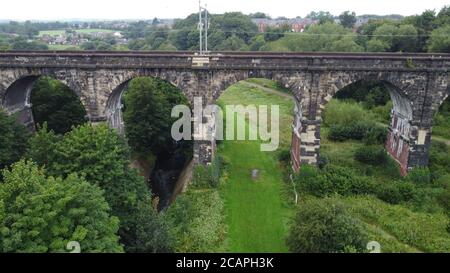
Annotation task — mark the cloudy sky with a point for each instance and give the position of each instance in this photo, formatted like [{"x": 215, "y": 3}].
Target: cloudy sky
[{"x": 143, "y": 9}]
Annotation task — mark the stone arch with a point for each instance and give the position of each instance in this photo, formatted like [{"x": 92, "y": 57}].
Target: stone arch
[
  {"x": 113, "y": 110},
  {"x": 403, "y": 134},
  {"x": 296, "y": 82},
  {"x": 16, "y": 95}
]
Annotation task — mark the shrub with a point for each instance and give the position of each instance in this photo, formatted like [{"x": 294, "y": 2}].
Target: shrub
[
  {"x": 332, "y": 179},
  {"x": 284, "y": 155},
  {"x": 208, "y": 176},
  {"x": 345, "y": 181},
  {"x": 375, "y": 135},
  {"x": 310, "y": 180},
  {"x": 419, "y": 176},
  {"x": 396, "y": 192},
  {"x": 355, "y": 130},
  {"x": 367, "y": 131},
  {"x": 372, "y": 155},
  {"x": 323, "y": 161},
  {"x": 343, "y": 112},
  {"x": 196, "y": 221},
  {"x": 324, "y": 226}
]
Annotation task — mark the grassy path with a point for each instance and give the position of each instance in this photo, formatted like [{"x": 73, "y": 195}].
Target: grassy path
[{"x": 257, "y": 213}]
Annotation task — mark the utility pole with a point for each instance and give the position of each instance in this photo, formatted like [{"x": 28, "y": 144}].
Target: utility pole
[
  {"x": 203, "y": 25},
  {"x": 200, "y": 25},
  {"x": 206, "y": 28}
]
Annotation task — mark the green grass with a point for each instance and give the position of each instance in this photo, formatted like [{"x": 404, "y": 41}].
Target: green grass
[
  {"x": 416, "y": 230},
  {"x": 62, "y": 47},
  {"x": 58, "y": 32},
  {"x": 52, "y": 32},
  {"x": 245, "y": 95},
  {"x": 269, "y": 84},
  {"x": 256, "y": 211}
]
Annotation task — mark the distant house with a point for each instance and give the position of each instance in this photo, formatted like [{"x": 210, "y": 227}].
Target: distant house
[
  {"x": 117, "y": 35},
  {"x": 296, "y": 25}
]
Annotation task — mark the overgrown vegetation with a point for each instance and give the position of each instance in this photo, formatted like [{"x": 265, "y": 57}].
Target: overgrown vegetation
[
  {"x": 55, "y": 104},
  {"x": 324, "y": 226},
  {"x": 102, "y": 157},
  {"x": 43, "y": 214}
]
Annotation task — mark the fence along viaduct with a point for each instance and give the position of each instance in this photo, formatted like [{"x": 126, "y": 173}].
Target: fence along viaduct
[{"x": 418, "y": 84}]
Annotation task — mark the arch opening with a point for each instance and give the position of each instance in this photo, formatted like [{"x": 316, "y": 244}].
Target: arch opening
[
  {"x": 37, "y": 99},
  {"x": 140, "y": 109},
  {"x": 254, "y": 178},
  {"x": 370, "y": 113}
]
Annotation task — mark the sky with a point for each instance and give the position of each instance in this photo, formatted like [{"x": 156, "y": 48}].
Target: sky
[{"x": 148, "y": 9}]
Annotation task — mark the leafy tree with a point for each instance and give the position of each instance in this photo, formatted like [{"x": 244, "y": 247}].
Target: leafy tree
[
  {"x": 54, "y": 103},
  {"x": 406, "y": 39},
  {"x": 443, "y": 17},
  {"x": 13, "y": 138},
  {"x": 21, "y": 43},
  {"x": 386, "y": 33},
  {"x": 257, "y": 42},
  {"x": 234, "y": 24},
  {"x": 42, "y": 145},
  {"x": 167, "y": 46},
  {"x": 43, "y": 214},
  {"x": 425, "y": 24},
  {"x": 179, "y": 38},
  {"x": 259, "y": 15},
  {"x": 376, "y": 45},
  {"x": 102, "y": 157},
  {"x": 233, "y": 43},
  {"x": 147, "y": 115},
  {"x": 323, "y": 17},
  {"x": 326, "y": 37},
  {"x": 347, "y": 19},
  {"x": 323, "y": 226},
  {"x": 275, "y": 33},
  {"x": 440, "y": 40},
  {"x": 346, "y": 44}
]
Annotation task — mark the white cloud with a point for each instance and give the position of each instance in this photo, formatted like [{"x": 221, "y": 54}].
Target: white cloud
[{"x": 145, "y": 9}]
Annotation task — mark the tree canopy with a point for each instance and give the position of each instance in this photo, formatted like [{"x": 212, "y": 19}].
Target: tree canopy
[
  {"x": 13, "y": 138},
  {"x": 147, "y": 114},
  {"x": 43, "y": 214},
  {"x": 102, "y": 157},
  {"x": 57, "y": 105}
]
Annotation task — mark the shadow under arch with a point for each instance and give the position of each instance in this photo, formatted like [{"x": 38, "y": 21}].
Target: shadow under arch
[
  {"x": 17, "y": 99},
  {"x": 164, "y": 163}
]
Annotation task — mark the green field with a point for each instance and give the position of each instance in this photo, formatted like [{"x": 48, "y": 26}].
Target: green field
[
  {"x": 82, "y": 31},
  {"x": 62, "y": 47},
  {"x": 257, "y": 211}
]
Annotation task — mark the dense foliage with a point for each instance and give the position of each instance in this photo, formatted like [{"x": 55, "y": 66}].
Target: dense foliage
[
  {"x": 13, "y": 140},
  {"x": 57, "y": 105},
  {"x": 324, "y": 226},
  {"x": 43, "y": 214},
  {"x": 102, "y": 157},
  {"x": 147, "y": 115}
]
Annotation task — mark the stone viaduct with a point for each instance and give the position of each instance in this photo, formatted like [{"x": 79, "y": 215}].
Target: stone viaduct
[{"x": 418, "y": 84}]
